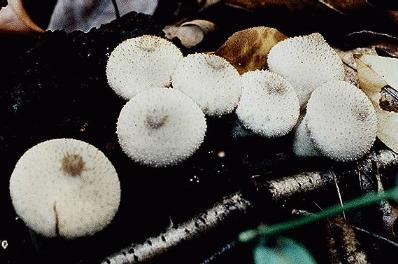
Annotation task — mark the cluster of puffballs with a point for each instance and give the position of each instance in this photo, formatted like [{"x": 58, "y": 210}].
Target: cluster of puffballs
[
  {"x": 169, "y": 97},
  {"x": 76, "y": 191}
]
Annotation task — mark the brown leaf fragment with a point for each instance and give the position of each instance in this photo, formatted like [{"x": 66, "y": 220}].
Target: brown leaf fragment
[
  {"x": 389, "y": 99},
  {"x": 190, "y": 33},
  {"x": 350, "y": 67},
  {"x": 378, "y": 79},
  {"x": 207, "y": 3},
  {"x": 248, "y": 49}
]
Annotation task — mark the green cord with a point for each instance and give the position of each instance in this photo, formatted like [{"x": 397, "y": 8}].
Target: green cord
[{"x": 362, "y": 201}]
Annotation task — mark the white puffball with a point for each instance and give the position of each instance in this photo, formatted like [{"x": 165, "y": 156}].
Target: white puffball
[
  {"x": 307, "y": 62},
  {"x": 303, "y": 145},
  {"x": 341, "y": 120},
  {"x": 269, "y": 105},
  {"x": 211, "y": 81},
  {"x": 141, "y": 63},
  {"x": 161, "y": 127},
  {"x": 66, "y": 188}
]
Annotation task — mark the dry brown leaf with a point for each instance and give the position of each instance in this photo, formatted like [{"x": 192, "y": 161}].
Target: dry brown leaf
[
  {"x": 248, "y": 49},
  {"x": 340, "y": 6},
  {"x": 207, "y": 3},
  {"x": 190, "y": 33},
  {"x": 378, "y": 79}
]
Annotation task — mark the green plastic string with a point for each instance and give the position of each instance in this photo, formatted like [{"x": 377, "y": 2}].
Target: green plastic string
[{"x": 362, "y": 201}]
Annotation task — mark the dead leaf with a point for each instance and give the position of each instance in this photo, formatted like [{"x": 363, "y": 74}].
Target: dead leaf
[
  {"x": 389, "y": 99},
  {"x": 340, "y": 6},
  {"x": 190, "y": 33},
  {"x": 347, "y": 56},
  {"x": 378, "y": 79},
  {"x": 248, "y": 49},
  {"x": 207, "y": 3}
]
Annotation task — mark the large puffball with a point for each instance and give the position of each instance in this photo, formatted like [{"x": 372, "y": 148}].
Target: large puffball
[
  {"x": 66, "y": 188},
  {"x": 269, "y": 105},
  {"x": 307, "y": 62},
  {"x": 161, "y": 127},
  {"x": 341, "y": 120},
  {"x": 211, "y": 81},
  {"x": 141, "y": 63}
]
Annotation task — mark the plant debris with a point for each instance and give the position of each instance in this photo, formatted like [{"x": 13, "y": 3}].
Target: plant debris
[
  {"x": 247, "y": 50},
  {"x": 190, "y": 33},
  {"x": 377, "y": 78}
]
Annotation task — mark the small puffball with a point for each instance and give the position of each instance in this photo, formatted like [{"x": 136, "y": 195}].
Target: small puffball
[
  {"x": 65, "y": 188},
  {"x": 307, "y": 62},
  {"x": 211, "y": 81},
  {"x": 269, "y": 105},
  {"x": 303, "y": 145},
  {"x": 141, "y": 63},
  {"x": 161, "y": 127},
  {"x": 341, "y": 120}
]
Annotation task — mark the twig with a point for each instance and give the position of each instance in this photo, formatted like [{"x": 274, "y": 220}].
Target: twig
[
  {"x": 117, "y": 13},
  {"x": 237, "y": 206},
  {"x": 328, "y": 5},
  {"x": 372, "y": 33},
  {"x": 303, "y": 183},
  {"x": 344, "y": 241},
  {"x": 362, "y": 201},
  {"x": 199, "y": 225},
  {"x": 339, "y": 193},
  {"x": 376, "y": 236},
  {"x": 224, "y": 250}
]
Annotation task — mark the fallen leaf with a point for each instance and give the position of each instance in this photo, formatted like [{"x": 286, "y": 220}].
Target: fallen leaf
[
  {"x": 190, "y": 33},
  {"x": 378, "y": 79},
  {"x": 207, "y": 3},
  {"x": 347, "y": 56},
  {"x": 248, "y": 49},
  {"x": 286, "y": 251}
]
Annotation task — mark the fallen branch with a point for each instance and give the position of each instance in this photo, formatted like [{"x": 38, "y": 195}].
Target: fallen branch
[
  {"x": 237, "y": 205},
  {"x": 212, "y": 218}
]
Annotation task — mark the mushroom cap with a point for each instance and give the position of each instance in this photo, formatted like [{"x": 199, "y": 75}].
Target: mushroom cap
[
  {"x": 161, "y": 127},
  {"x": 211, "y": 81},
  {"x": 303, "y": 145},
  {"x": 307, "y": 62},
  {"x": 342, "y": 121},
  {"x": 141, "y": 63},
  {"x": 269, "y": 105},
  {"x": 65, "y": 187}
]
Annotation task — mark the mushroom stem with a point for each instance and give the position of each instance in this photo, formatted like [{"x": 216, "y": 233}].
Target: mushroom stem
[{"x": 237, "y": 206}]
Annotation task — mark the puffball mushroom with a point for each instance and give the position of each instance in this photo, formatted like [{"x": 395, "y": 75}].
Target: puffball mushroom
[
  {"x": 161, "y": 127},
  {"x": 211, "y": 81},
  {"x": 66, "y": 188},
  {"x": 269, "y": 105},
  {"x": 303, "y": 145},
  {"x": 307, "y": 62},
  {"x": 141, "y": 63},
  {"x": 341, "y": 120}
]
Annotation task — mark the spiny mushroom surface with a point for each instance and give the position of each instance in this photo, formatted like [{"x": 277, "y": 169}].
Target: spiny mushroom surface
[
  {"x": 161, "y": 127},
  {"x": 66, "y": 188},
  {"x": 269, "y": 105},
  {"x": 341, "y": 120},
  {"x": 303, "y": 145},
  {"x": 307, "y": 62},
  {"x": 211, "y": 81},
  {"x": 141, "y": 63}
]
